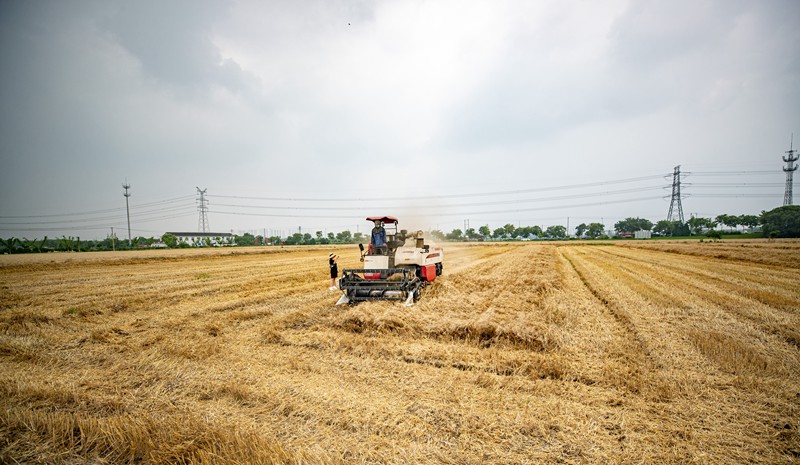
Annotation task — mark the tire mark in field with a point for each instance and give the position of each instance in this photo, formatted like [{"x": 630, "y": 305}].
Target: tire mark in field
[
  {"x": 136, "y": 288},
  {"x": 767, "y": 255},
  {"x": 735, "y": 346},
  {"x": 738, "y": 277},
  {"x": 732, "y": 281},
  {"x": 715, "y": 291},
  {"x": 463, "y": 261},
  {"x": 646, "y": 362},
  {"x": 671, "y": 340}
]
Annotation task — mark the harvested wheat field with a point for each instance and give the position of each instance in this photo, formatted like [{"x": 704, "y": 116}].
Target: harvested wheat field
[{"x": 538, "y": 353}]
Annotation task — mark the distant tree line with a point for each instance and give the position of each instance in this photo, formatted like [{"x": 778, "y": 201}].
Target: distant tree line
[
  {"x": 319, "y": 238},
  {"x": 779, "y": 222},
  {"x": 72, "y": 244}
]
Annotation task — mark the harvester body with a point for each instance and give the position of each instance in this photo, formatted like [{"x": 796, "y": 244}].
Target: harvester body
[{"x": 395, "y": 270}]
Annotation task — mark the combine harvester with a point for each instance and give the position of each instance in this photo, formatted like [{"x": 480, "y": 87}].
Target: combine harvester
[{"x": 392, "y": 270}]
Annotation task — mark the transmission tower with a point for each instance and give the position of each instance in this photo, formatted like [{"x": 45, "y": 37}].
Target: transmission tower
[
  {"x": 202, "y": 222},
  {"x": 790, "y": 168},
  {"x": 127, "y": 194},
  {"x": 675, "y": 203}
]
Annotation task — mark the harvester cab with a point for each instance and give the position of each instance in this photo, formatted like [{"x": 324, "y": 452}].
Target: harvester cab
[{"x": 397, "y": 265}]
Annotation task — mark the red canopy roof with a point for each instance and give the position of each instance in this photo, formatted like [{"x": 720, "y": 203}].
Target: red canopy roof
[{"x": 385, "y": 219}]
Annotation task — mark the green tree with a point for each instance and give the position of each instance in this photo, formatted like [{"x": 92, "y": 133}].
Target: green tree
[
  {"x": 697, "y": 224},
  {"x": 556, "y": 231},
  {"x": 662, "y": 227},
  {"x": 66, "y": 243},
  {"x": 345, "y": 236},
  {"x": 781, "y": 222},
  {"x": 581, "y": 229},
  {"x": 331, "y": 236},
  {"x": 671, "y": 228},
  {"x": 595, "y": 230},
  {"x": 499, "y": 233},
  {"x": 294, "y": 239},
  {"x": 521, "y": 232},
  {"x": 10, "y": 245},
  {"x": 319, "y": 234},
  {"x": 245, "y": 239},
  {"x": 170, "y": 239},
  {"x": 438, "y": 235},
  {"x": 485, "y": 231},
  {"x": 455, "y": 235},
  {"x": 536, "y": 231},
  {"x": 751, "y": 221},
  {"x": 36, "y": 245},
  {"x": 509, "y": 229},
  {"x": 358, "y": 237},
  {"x": 631, "y": 225},
  {"x": 730, "y": 221}
]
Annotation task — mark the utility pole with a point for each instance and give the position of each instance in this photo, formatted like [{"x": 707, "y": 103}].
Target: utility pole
[
  {"x": 790, "y": 168},
  {"x": 676, "y": 196},
  {"x": 202, "y": 222},
  {"x": 127, "y": 209},
  {"x": 113, "y": 245}
]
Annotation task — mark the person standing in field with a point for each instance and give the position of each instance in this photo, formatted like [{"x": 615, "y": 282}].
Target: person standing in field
[{"x": 332, "y": 261}]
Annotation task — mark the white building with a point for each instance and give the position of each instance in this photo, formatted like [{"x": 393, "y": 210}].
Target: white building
[{"x": 214, "y": 239}]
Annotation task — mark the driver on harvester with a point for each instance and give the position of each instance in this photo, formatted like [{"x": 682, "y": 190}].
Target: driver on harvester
[{"x": 377, "y": 242}]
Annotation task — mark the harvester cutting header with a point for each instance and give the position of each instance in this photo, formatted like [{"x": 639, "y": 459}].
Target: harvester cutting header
[{"x": 397, "y": 265}]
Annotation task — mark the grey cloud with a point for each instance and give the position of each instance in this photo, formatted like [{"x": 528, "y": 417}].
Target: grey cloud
[
  {"x": 173, "y": 42},
  {"x": 657, "y": 55}
]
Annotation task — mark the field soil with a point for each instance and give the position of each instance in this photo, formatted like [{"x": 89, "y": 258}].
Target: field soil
[{"x": 616, "y": 352}]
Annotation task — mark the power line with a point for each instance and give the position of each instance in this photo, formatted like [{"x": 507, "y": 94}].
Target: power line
[
  {"x": 474, "y": 204},
  {"x": 734, "y": 184},
  {"x": 518, "y": 210},
  {"x": 97, "y": 212},
  {"x": 89, "y": 227},
  {"x": 740, "y": 195},
  {"x": 727, "y": 173},
  {"x": 137, "y": 215},
  {"x": 444, "y": 196}
]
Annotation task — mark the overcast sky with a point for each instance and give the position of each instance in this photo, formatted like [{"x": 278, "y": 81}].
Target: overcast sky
[{"x": 315, "y": 114}]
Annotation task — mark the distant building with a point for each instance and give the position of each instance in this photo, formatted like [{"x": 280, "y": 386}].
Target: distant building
[
  {"x": 642, "y": 234},
  {"x": 202, "y": 239}
]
